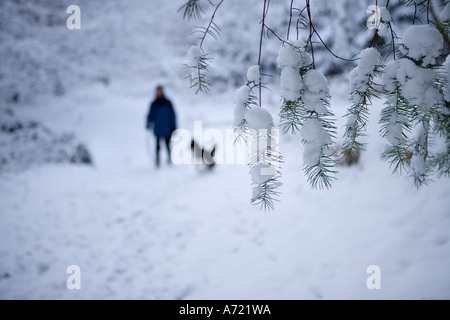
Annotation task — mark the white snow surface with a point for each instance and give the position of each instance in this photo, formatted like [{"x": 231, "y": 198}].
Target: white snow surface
[
  {"x": 423, "y": 42},
  {"x": 179, "y": 233},
  {"x": 176, "y": 233}
]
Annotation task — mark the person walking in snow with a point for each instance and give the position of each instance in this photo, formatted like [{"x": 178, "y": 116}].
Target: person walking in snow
[{"x": 161, "y": 117}]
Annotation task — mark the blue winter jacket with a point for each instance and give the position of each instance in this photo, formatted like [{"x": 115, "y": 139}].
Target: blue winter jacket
[{"x": 162, "y": 115}]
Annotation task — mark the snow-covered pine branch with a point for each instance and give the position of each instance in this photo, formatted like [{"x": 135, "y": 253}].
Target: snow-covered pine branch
[
  {"x": 440, "y": 161},
  {"x": 197, "y": 59},
  {"x": 255, "y": 124},
  {"x": 192, "y": 9},
  {"x": 245, "y": 98},
  {"x": 413, "y": 95},
  {"x": 305, "y": 109},
  {"x": 265, "y": 158},
  {"x": 294, "y": 62},
  {"x": 198, "y": 63},
  {"x": 415, "y": 119},
  {"x": 361, "y": 92}
]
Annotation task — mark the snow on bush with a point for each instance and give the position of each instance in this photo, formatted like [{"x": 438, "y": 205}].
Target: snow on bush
[
  {"x": 24, "y": 144},
  {"x": 316, "y": 138},
  {"x": 246, "y": 111},
  {"x": 253, "y": 74},
  {"x": 369, "y": 59},
  {"x": 361, "y": 90},
  {"x": 315, "y": 91},
  {"x": 415, "y": 92},
  {"x": 194, "y": 54},
  {"x": 291, "y": 84},
  {"x": 255, "y": 124},
  {"x": 423, "y": 43},
  {"x": 264, "y": 163},
  {"x": 241, "y": 100},
  {"x": 416, "y": 83},
  {"x": 291, "y": 55},
  {"x": 291, "y": 58},
  {"x": 394, "y": 130},
  {"x": 306, "y": 98},
  {"x": 242, "y": 95},
  {"x": 259, "y": 119},
  {"x": 360, "y": 76}
]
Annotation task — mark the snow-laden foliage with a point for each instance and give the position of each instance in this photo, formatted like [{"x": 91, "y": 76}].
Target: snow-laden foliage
[
  {"x": 414, "y": 84},
  {"x": 441, "y": 159},
  {"x": 423, "y": 44},
  {"x": 305, "y": 109},
  {"x": 414, "y": 108},
  {"x": 294, "y": 62},
  {"x": 255, "y": 125},
  {"x": 25, "y": 144},
  {"x": 361, "y": 92},
  {"x": 119, "y": 41},
  {"x": 414, "y": 87},
  {"x": 198, "y": 63},
  {"x": 254, "y": 74}
]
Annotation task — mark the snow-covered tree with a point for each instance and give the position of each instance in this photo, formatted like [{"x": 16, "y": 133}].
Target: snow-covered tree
[{"x": 411, "y": 73}]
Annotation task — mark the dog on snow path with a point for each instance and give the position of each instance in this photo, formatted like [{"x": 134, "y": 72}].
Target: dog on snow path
[{"x": 207, "y": 157}]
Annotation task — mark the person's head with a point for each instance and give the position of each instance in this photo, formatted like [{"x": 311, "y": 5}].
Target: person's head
[{"x": 159, "y": 92}]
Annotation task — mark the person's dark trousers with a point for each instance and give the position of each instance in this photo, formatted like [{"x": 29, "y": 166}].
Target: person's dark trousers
[{"x": 158, "y": 148}]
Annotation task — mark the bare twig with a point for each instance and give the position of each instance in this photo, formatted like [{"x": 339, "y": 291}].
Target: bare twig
[
  {"x": 211, "y": 22},
  {"x": 415, "y": 13},
  {"x": 278, "y": 37},
  {"x": 331, "y": 52},
  {"x": 320, "y": 38},
  {"x": 393, "y": 40},
  {"x": 290, "y": 19},
  {"x": 263, "y": 23},
  {"x": 311, "y": 32}
]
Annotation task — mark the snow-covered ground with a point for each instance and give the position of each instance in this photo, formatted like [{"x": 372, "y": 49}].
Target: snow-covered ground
[
  {"x": 179, "y": 233},
  {"x": 176, "y": 233}
]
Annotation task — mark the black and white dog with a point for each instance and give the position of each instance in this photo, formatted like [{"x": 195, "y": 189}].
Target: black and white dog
[{"x": 206, "y": 157}]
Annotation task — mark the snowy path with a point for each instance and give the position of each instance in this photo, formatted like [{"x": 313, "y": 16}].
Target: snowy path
[{"x": 139, "y": 233}]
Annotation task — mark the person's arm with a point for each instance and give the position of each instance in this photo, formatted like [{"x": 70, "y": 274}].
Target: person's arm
[
  {"x": 174, "y": 117},
  {"x": 150, "y": 116}
]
